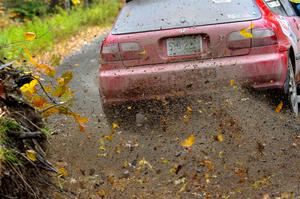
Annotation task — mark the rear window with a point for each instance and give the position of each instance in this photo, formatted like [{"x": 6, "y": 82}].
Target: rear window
[{"x": 147, "y": 15}]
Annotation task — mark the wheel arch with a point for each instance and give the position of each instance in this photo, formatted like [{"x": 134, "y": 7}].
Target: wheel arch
[{"x": 292, "y": 57}]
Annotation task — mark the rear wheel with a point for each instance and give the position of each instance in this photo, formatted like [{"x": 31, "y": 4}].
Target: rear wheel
[{"x": 292, "y": 89}]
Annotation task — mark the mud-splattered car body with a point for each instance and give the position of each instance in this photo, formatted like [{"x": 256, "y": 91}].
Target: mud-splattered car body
[{"x": 242, "y": 40}]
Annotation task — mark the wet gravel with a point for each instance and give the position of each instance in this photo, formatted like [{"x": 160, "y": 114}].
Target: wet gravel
[{"x": 257, "y": 156}]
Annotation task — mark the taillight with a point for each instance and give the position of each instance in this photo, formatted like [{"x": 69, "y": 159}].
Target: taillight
[
  {"x": 131, "y": 51},
  {"x": 122, "y": 51},
  {"x": 238, "y": 41},
  {"x": 263, "y": 37},
  {"x": 258, "y": 37},
  {"x": 110, "y": 52}
]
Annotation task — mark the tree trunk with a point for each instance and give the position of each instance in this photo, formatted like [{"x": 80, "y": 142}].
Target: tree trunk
[
  {"x": 86, "y": 3},
  {"x": 67, "y": 5}
]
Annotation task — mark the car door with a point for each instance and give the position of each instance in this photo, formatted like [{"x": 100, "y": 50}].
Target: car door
[
  {"x": 286, "y": 16},
  {"x": 294, "y": 22}
]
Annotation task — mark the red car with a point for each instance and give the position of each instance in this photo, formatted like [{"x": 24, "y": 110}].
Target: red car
[{"x": 167, "y": 48}]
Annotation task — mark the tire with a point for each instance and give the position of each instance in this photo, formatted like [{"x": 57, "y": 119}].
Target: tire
[{"x": 291, "y": 88}]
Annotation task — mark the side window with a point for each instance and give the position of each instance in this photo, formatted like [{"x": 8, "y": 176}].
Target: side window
[
  {"x": 288, "y": 7},
  {"x": 276, "y": 7}
]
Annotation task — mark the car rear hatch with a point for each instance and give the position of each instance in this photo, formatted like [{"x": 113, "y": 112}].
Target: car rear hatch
[{"x": 164, "y": 31}]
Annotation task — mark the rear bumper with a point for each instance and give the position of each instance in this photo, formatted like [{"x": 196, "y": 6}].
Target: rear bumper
[{"x": 184, "y": 78}]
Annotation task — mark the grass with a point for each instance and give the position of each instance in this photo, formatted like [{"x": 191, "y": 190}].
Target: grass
[
  {"x": 6, "y": 153},
  {"x": 53, "y": 29}
]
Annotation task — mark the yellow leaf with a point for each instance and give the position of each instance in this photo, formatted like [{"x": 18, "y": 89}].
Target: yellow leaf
[
  {"x": 246, "y": 32},
  {"x": 76, "y": 2},
  {"x": 265, "y": 181},
  {"x": 65, "y": 79},
  {"x": 188, "y": 142},
  {"x": 102, "y": 193},
  {"x": 38, "y": 101},
  {"x": 115, "y": 126},
  {"x": 102, "y": 148},
  {"x": 62, "y": 172},
  {"x": 232, "y": 82},
  {"x": 55, "y": 60},
  {"x": 31, "y": 155},
  {"x": 208, "y": 164},
  {"x": 46, "y": 69},
  {"x": 29, "y": 36},
  {"x": 118, "y": 149},
  {"x": 186, "y": 118},
  {"x": 81, "y": 121},
  {"x": 29, "y": 88},
  {"x": 109, "y": 137},
  {"x": 43, "y": 68},
  {"x": 50, "y": 112},
  {"x": 164, "y": 161},
  {"x": 59, "y": 91},
  {"x": 144, "y": 162},
  {"x": 220, "y": 138},
  {"x": 279, "y": 107},
  {"x": 189, "y": 109}
]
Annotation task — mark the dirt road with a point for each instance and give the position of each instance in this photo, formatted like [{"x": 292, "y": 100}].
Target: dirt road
[{"x": 243, "y": 148}]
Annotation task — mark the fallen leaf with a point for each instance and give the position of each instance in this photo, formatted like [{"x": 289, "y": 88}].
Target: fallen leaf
[
  {"x": 115, "y": 126},
  {"x": 144, "y": 162},
  {"x": 102, "y": 145},
  {"x": 180, "y": 181},
  {"x": 109, "y": 137},
  {"x": 220, "y": 138},
  {"x": 62, "y": 172},
  {"x": 242, "y": 173},
  {"x": 232, "y": 82},
  {"x": 208, "y": 164},
  {"x": 188, "y": 142},
  {"x": 29, "y": 36},
  {"x": 102, "y": 193},
  {"x": 266, "y": 196},
  {"x": 189, "y": 109},
  {"x": 118, "y": 149},
  {"x": 183, "y": 188},
  {"x": 175, "y": 169},
  {"x": 81, "y": 121},
  {"x": 286, "y": 195},
  {"x": 207, "y": 178},
  {"x": 186, "y": 118},
  {"x": 164, "y": 161},
  {"x": 279, "y": 107},
  {"x": 31, "y": 155},
  {"x": 265, "y": 181}
]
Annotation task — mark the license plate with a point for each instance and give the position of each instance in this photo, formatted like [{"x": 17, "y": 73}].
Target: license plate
[{"x": 184, "y": 45}]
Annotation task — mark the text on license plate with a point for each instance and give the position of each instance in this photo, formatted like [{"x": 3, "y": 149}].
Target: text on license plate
[{"x": 187, "y": 45}]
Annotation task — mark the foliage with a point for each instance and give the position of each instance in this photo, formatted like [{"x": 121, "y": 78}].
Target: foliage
[
  {"x": 50, "y": 30},
  {"x": 29, "y": 9},
  {"x": 7, "y": 125}
]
